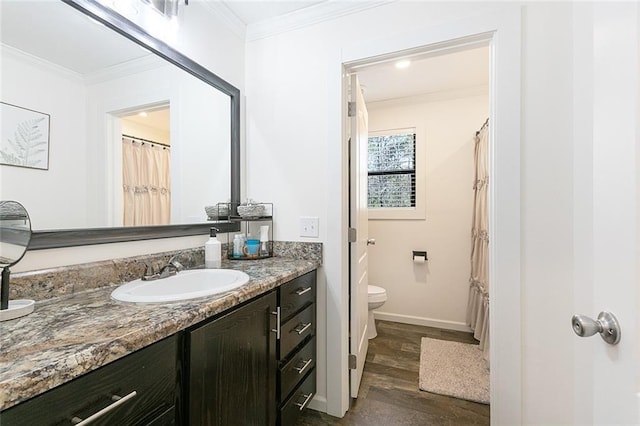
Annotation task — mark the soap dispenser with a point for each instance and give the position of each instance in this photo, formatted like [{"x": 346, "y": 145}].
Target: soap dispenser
[{"x": 212, "y": 251}]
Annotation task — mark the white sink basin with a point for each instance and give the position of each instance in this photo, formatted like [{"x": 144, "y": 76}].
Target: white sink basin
[{"x": 184, "y": 285}]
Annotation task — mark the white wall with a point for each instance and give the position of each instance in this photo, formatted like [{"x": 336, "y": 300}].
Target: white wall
[
  {"x": 200, "y": 131},
  {"x": 31, "y": 83},
  {"x": 205, "y": 166},
  {"x": 294, "y": 134},
  {"x": 294, "y": 141},
  {"x": 434, "y": 293}
]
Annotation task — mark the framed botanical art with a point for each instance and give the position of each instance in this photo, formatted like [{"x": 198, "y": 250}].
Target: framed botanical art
[{"x": 24, "y": 137}]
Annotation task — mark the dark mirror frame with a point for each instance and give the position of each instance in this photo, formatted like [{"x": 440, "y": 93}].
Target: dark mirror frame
[{"x": 90, "y": 236}]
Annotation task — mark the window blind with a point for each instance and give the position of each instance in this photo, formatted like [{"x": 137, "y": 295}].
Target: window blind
[{"x": 392, "y": 170}]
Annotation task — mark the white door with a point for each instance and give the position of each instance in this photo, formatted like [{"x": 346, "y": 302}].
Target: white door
[
  {"x": 358, "y": 220},
  {"x": 606, "y": 236}
]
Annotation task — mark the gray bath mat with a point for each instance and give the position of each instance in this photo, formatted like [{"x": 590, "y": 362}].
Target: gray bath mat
[{"x": 454, "y": 369}]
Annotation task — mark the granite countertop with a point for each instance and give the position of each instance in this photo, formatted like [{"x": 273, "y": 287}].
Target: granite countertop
[{"x": 68, "y": 336}]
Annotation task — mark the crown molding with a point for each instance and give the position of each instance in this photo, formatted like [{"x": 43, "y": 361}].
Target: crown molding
[
  {"x": 37, "y": 62},
  {"x": 124, "y": 69},
  {"x": 311, "y": 15},
  {"x": 144, "y": 63},
  {"x": 222, "y": 12}
]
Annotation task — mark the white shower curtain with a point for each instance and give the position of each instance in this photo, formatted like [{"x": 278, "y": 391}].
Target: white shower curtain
[
  {"x": 478, "y": 306},
  {"x": 146, "y": 183}
]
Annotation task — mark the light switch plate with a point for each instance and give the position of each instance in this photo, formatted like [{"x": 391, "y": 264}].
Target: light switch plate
[{"x": 309, "y": 227}]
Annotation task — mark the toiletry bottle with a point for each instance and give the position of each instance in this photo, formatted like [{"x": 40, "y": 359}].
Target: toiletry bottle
[
  {"x": 237, "y": 246},
  {"x": 264, "y": 240},
  {"x": 212, "y": 251}
]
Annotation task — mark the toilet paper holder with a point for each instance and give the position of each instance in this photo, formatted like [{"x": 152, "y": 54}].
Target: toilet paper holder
[{"x": 420, "y": 254}]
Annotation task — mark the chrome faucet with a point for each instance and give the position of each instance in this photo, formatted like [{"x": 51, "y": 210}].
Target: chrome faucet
[
  {"x": 171, "y": 268},
  {"x": 149, "y": 274}
]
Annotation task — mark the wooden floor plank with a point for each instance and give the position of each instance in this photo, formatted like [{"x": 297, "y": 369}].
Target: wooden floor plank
[{"x": 389, "y": 393}]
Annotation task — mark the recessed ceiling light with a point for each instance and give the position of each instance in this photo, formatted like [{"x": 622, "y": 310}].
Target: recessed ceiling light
[
  {"x": 142, "y": 114},
  {"x": 403, "y": 64}
]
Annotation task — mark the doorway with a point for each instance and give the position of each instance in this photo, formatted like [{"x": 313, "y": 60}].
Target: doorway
[
  {"x": 146, "y": 167},
  {"x": 440, "y": 98},
  {"x": 139, "y": 151},
  {"x": 441, "y": 101}
]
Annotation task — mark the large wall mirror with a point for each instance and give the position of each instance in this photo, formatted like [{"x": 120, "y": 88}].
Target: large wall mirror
[{"x": 120, "y": 104}]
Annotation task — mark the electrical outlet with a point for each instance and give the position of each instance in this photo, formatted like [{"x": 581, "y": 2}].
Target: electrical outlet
[{"x": 309, "y": 227}]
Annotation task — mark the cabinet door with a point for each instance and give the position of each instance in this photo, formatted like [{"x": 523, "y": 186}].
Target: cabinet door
[{"x": 233, "y": 367}]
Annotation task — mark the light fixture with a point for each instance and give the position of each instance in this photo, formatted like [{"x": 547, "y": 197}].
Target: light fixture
[
  {"x": 168, "y": 8},
  {"x": 158, "y": 17},
  {"x": 142, "y": 113},
  {"x": 402, "y": 64}
]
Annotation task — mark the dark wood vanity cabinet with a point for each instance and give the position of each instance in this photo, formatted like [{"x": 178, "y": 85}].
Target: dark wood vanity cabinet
[
  {"x": 254, "y": 365},
  {"x": 296, "y": 347},
  {"x": 139, "y": 389},
  {"x": 232, "y": 367}
]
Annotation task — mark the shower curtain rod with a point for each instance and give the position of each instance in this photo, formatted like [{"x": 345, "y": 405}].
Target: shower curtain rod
[
  {"x": 483, "y": 126},
  {"x": 134, "y": 138}
]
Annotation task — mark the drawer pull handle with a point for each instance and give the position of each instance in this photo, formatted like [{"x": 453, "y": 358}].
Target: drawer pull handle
[
  {"x": 302, "y": 291},
  {"x": 277, "y": 329},
  {"x": 302, "y": 328},
  {"x": 304, "y": 366},
  {"x": 117, "y": 401},
  {"x": 307, "y": 398}
]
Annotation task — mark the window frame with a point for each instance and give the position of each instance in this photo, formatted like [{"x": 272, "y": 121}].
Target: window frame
[{"x": 404, "y": 213}]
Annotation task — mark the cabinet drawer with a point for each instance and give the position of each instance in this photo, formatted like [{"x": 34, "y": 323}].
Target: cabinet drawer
[
  {"x": 296, "y": 368},
  {"x": 296, "y": 294},
  {"x": 294, "y": 331},
  {"x": 291, "y": 410},
  {"x": 150, "y": 372}
]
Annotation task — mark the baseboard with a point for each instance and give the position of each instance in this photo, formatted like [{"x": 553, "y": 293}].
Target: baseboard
[
  {"x": 318, "y": 403},
  {"x": 429, "y": 322}
]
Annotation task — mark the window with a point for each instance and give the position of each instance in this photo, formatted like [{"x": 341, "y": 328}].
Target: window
[{"x": 392, "y": 169}]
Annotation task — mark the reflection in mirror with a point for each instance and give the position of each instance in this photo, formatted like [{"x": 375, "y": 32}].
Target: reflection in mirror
[
  {"x": 89, "y": 79},
  {"x": 15, "y": 234},
  {"x": 146, "y": 171}
]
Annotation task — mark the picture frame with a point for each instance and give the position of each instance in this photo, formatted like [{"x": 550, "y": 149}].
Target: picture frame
[{"x": 24, "y": 137}]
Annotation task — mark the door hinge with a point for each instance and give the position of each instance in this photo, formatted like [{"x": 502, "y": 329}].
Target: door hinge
[
  {"x": 353, "y": 362},
  {"x": 352, "y": 235},
  {"x": 351, "y": 109}
]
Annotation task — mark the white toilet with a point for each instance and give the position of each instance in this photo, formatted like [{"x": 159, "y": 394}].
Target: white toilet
[{"x": 377, "y": 297}]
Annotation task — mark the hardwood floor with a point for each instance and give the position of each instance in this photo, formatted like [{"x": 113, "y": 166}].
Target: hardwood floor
[{"x": 389, "y": 393}]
